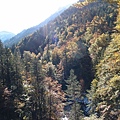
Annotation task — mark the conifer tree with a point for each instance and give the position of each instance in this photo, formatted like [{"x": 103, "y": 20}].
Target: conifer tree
[
  {"x": 36, "y": 103},
  {"x": 73, "y": 94},
  {"x": 37, "y": 82},
  {"x": 18, "y": 70},
  {"x": 2, "y": 65}
]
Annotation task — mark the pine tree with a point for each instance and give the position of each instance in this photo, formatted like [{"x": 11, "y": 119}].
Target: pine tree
[
  {"x": 73, "y": 94},
  {"x": 37, "y": 82},
  {"x": 2, "y": 65},
  {"x": 35, "y": 91},
  {"x": 18, "y": 70}
]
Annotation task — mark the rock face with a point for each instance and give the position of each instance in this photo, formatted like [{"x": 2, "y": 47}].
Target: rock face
[{"x": 4, "y": 35}]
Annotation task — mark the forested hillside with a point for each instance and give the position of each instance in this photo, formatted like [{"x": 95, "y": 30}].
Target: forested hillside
[{"x": 68, "y": 68}]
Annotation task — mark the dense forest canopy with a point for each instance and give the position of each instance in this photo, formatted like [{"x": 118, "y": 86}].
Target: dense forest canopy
[{"x": 68, "y": 68}]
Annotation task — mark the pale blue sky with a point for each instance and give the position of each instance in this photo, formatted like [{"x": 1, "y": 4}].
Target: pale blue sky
[{"x": 16, "y": 15}]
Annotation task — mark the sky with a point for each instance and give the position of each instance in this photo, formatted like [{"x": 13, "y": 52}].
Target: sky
[{"x": 17, "y": 15}]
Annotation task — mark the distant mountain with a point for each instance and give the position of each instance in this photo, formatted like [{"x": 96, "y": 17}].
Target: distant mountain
[
  {"x": 26, "y": 32},
  {"x": 4, "y": 35}
]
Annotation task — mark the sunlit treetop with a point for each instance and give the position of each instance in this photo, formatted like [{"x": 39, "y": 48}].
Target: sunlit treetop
[{"x": 86, "y": 2}]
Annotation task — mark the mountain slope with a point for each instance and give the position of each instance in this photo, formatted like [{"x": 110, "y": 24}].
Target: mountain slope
[
  {"x": 29, "y": 31},
  {"x": 4, "y": 35},
  {"x": 77, "y": 53},
  {"x": 74, "y": 30}
]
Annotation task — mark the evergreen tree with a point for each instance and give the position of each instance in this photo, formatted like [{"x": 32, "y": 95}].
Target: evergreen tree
[
  {"x": 18, "y": 70},
  {"x": 2, "y": 65},
  {"x": 35, "y": 92},
  {"x": 37, "y": 82},
  {"x": 73, "y": 94}
]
